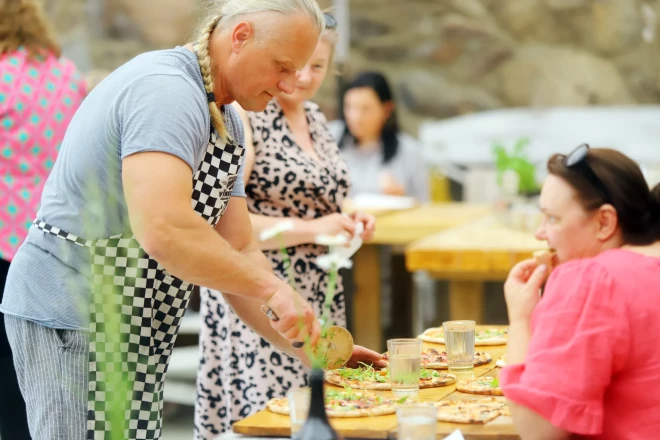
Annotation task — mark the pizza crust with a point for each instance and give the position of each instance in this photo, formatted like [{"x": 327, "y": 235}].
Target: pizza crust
[
  {"x": 442, "y": 381},
  {"x": 436, "y": 335},
  {"x": 281, "y": 406},
  {"x": 479, "y": 385},
  {"x": 278, "y": 406},
  {"x": 470, "y": 411},
  {"x": 429, "y": 336},
  {"x": 481, "y": 358}
]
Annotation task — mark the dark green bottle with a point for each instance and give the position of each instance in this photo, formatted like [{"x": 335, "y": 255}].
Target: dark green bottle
[{"x": 316, "y": 426}]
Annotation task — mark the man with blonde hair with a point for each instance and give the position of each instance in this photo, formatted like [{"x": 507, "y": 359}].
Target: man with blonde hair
[{"x": 145, "y": 201}]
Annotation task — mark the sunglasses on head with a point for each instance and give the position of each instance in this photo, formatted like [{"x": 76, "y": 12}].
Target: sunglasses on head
[
  {"x": 577, "y": 160},
  {"x": 330, "y": 21}
]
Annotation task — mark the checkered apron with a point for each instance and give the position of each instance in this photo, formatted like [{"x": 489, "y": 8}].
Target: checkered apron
[{"x": 136, "y": 311}]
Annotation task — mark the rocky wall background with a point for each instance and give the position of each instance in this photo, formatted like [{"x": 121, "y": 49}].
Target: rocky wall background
[{"x": 445, "y": 57}]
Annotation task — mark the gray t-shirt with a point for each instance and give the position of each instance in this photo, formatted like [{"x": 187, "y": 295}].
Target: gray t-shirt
[
  {"x": 366, "y": 166},
  {"x": 155, "y": 102}
]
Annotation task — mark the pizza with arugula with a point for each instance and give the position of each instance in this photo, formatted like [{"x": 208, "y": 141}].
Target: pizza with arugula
[
  {"x": 487, "y": 385},
  {"x": 366, "y": 377}
]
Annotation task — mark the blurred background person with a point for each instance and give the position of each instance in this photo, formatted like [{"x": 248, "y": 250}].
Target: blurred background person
[
  {"x": 293, "y": 171},
  {"x": 382, "y": 159},
  {"x": 39, "y": 93}
]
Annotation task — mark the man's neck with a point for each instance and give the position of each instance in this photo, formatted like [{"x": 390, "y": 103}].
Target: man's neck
[{"x": 220, "y": 98}]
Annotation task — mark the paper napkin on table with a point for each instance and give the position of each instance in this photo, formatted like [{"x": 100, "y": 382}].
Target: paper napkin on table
[{"x": 456, "y": 435}]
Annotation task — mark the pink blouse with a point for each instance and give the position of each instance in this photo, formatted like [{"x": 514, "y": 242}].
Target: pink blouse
[
  {"x": 37, "y": 101},
  {"x": 593, "y": 365}
]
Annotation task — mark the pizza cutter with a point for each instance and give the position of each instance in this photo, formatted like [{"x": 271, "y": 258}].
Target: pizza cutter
[{"x": 335, "y": 346}]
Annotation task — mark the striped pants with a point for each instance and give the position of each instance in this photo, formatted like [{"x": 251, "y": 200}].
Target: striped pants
[{"x": 52, "y": 373}]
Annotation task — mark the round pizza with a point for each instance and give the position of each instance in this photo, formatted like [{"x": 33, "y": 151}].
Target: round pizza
[
  {"x": 437, "y": 360},
  {"x": 368, "y": 378},
  {"x": 344, "y": 403},
  {"x": 501, "y": 362},
  {"x": 491, "y": 336},
  {"x": 471, "y": 411},
  {"x": 487, "y": 385}
]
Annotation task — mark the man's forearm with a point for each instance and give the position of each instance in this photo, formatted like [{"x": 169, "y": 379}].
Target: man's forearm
[
  {"x": 254, "y": 254},
  {"x": 191, "y": 250},
  {"x": 248, "y": 310}
]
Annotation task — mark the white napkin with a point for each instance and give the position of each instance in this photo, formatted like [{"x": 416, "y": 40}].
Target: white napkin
[
  {"x": 456, "y": 435},
  {"x": 347, "y": 251}
]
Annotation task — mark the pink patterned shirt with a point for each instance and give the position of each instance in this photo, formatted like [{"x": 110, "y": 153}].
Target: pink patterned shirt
[{"x": 37, "y": 101}]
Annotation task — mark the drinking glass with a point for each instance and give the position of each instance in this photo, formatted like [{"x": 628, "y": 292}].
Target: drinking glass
[
  {"x": 459, "y": 342},
  {"x": 416, "y": 422},
  {"x": 298, "y": 408},
  {"x": 405, "y": 362}
]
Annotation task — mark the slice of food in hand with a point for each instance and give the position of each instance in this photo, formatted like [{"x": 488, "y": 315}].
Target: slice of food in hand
[
  {"x": 547, "y": 257},
  {"x": 486, "y": 385},
  {"x": 344, "y": 403},
  {"x": 470, "y": 411}
]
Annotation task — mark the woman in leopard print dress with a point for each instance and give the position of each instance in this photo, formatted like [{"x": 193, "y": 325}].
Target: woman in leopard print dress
[{"x": 293, "y": 170}]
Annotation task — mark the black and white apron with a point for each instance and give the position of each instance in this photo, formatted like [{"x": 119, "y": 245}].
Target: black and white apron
[{"x": 131, "y": 292}]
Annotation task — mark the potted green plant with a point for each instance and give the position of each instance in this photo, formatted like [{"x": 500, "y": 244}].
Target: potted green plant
[{"x": 517, "y": 162}]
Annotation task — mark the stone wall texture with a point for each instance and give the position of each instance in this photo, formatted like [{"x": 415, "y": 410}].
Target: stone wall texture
[{"x": 444, "y": 57}]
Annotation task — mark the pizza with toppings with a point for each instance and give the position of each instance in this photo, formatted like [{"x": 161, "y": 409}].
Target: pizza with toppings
[
  {"x": 487, "y": 385},
  {"x": 491, "y": 336},
  {"x": 471, "y": 411},
  {"x": 437, "y": 360},
  {"x": 366, "y": 377},
  {"x": 344, "y": 403}
]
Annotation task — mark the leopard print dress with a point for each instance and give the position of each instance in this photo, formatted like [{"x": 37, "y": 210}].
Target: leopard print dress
[{"x": 239, "y": 370}]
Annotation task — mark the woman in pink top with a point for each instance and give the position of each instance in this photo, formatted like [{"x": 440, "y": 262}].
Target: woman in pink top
[
  {"x": 584, "y": 359},
  {"x": 39, "y": 93}
]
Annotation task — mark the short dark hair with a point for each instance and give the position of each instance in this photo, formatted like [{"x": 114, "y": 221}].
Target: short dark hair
[{"x": 637, "y": 206}]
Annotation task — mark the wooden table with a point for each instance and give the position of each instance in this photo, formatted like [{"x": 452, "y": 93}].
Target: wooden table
[
  {"x": 265, "y": 423},
  {"x": 468, "y": 255},
  {"x": 397, "y": 228}
]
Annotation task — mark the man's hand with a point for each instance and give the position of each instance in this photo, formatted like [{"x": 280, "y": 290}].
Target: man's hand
[
  {"x": 365, "y": 356},
  {"x": 296, "y": 317}
]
